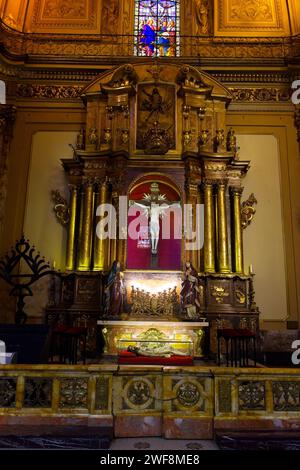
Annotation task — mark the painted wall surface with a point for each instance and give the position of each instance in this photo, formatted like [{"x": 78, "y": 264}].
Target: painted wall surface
[
  {"x": 40, "y": 224},
  {"x": 264, "y": 238}
]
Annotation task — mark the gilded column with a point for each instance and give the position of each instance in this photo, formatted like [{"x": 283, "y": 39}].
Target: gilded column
[
  {"x": 209, "y": 229},
  {"x": 100, "y": 255},
  {"x": 81, "y": 211},
  {"x": 71, "y": 242},
  {"x": 84, "y": 261},
  {"x": 193, "y": 199},
  {"x": 223, "y": 254},
  {"x": 118, "y": 247},
  {"x": 121, "y": 251},
  {"x": 238, "y": 260},
  {"x": 113, "y": 242}
]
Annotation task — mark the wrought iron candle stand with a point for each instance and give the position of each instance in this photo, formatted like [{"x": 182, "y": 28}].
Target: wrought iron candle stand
[{"x": 21, "y": 283}]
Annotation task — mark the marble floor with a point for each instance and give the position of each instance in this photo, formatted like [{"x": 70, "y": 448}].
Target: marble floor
[{"x": 157, "y": 443}]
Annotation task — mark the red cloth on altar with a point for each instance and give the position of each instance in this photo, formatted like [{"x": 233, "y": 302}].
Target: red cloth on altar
[{"x": 127, "y": 357}]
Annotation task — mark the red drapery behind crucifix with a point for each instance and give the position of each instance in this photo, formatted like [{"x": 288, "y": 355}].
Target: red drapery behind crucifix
[{"x": 168, "y": 250}]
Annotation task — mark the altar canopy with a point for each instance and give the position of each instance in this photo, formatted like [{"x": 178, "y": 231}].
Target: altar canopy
[{"x": 157, "y": 28}]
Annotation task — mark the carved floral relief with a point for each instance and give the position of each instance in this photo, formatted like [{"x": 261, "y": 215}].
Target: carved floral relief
[
  {"x": 251, "y": 10},
  {"x": 65, "y": 9},
  {"x": 251, "y": 18},
  {"x": 77, "y": 15}
]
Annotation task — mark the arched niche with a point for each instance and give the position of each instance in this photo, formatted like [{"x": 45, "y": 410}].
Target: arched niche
[{"x": 140, "y": 251}]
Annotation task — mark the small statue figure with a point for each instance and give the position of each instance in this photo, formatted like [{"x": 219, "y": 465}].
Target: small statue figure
[
  {"x": 202, "y": 15},
  {"x": 219, "y": 139},
  {"x": 114, "y": 292},
  {"x": 109, "y": 15},
  {"x": 190, "y": 291},
  {"x": 80, "y": 142},
  {"x": 93, "y": 137},
  {"x": 187, "y": 138},
  {"x": 107, "y": 135},
  {"x": 203, "y": 139},
  {"x": 231, "y": 141},
  {"x": 220, "y": 136},
  {"x": 125, "y": 136}
]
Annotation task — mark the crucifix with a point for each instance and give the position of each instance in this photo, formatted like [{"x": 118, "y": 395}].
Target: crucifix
[{"x": 155, "y": 205}]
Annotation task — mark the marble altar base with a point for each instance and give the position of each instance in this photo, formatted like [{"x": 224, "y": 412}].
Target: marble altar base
[{"x": 196, "y": 333}]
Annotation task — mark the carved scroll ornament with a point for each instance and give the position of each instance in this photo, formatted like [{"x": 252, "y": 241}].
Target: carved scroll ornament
[
  {"x": 61, "y": 208},
  {"x": 156, "y": 140},
  {"x": 248, "y": 210}
]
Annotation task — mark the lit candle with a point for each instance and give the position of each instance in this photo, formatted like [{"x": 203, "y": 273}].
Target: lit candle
[
  {"x": 53, "y": 264},
  {"x": 251, "y": 269}
]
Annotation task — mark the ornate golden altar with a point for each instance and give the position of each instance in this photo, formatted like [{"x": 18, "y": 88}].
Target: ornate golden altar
[{"x": 129, "y": 140}]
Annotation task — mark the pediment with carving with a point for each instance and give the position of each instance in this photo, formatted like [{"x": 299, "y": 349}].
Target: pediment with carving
[{"x": 152, "y": 109}]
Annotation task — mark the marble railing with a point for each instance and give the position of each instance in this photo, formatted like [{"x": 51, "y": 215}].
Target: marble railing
[
  {"x": 191, "y": 402},
  {"x": 108, "y": 45}
]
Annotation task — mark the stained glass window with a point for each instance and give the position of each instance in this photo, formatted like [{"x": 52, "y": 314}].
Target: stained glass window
[{"x": 157, "y": 28}]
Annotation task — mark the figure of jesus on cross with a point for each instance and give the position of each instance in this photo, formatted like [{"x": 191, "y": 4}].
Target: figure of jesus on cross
[{"x": 155, "y": 205}]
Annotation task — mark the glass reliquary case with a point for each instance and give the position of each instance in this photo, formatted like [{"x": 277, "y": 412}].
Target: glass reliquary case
[{"x": 157, "y": 348}]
